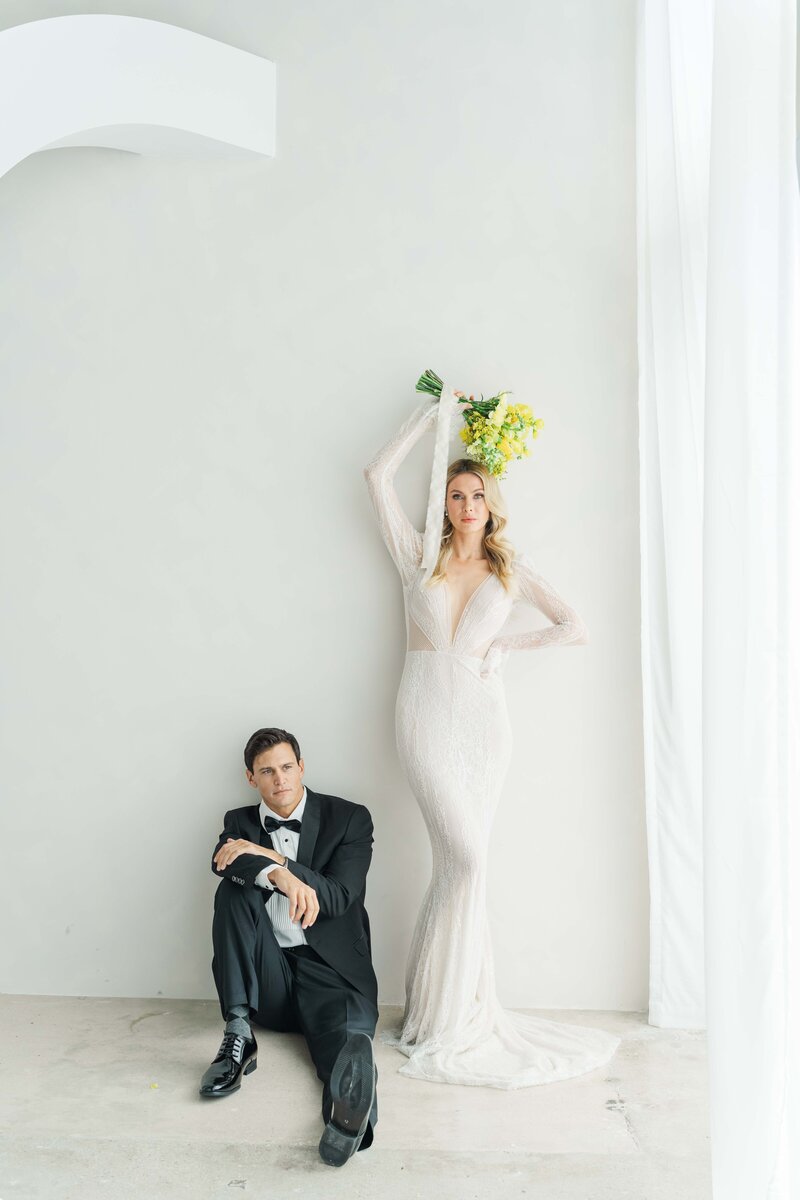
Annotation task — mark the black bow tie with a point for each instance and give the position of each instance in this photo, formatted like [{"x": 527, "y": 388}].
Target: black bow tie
[{"x": 270, "y": 824}]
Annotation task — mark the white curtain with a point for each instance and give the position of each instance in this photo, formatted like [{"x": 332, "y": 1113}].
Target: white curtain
[
  {"x": 673, "y": 129},
  {"x": 720, "y": 529}
]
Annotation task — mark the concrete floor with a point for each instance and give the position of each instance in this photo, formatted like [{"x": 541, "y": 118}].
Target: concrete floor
[{"x": 100, "y": 1101}]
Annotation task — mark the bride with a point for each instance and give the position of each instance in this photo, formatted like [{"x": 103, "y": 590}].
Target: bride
[{"x": 454, "y": 741}]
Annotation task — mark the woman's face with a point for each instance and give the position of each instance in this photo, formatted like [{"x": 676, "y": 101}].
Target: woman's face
[{"x": 466, "y": 503}]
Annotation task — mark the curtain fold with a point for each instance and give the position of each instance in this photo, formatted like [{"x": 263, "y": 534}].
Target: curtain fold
[
  {"x": 673, "y": 131},
  {"x": 719, "y": 303}
]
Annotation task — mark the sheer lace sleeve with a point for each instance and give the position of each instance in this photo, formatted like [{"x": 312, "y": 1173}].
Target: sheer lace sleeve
[
  {"x": 567, "y": 629},
  {"x": 403, "y": 541}
]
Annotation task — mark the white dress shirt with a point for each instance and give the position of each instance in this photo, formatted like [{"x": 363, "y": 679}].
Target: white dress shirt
[{"x": 285, "y": 841}]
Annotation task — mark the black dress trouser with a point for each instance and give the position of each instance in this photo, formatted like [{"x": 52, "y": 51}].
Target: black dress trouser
[{"x": 291, "y": 990}]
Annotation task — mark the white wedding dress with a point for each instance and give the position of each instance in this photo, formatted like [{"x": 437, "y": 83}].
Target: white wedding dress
[{"x": 454, "y": 741}]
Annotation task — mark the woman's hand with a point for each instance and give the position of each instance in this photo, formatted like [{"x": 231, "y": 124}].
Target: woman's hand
[{"x": 493, "y": 660}]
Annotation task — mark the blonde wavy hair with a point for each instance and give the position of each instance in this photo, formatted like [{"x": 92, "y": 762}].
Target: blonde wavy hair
[{"x": 498, "y": 549}]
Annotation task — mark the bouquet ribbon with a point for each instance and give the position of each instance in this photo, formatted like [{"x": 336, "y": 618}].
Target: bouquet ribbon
[{"x": 432, "y": 538}]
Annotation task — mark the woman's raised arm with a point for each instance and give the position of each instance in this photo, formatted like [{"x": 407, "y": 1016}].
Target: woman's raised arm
[{"x": 403, "y": 541}]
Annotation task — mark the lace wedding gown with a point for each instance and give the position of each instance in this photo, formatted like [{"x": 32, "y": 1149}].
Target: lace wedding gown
[{"x": 454, "y": 742}]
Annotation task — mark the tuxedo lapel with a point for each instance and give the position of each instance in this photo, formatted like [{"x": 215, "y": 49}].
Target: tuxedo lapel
[
  {"x": 309, "y": 828},
  {"x": 255, "y": 831}
]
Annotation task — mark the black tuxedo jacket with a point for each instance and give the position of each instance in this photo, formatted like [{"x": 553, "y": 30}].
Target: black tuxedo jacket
[{"x": 333, "y": 858}]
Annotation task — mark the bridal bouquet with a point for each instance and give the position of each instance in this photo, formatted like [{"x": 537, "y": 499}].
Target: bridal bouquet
[{"x": 494, "y": 431}]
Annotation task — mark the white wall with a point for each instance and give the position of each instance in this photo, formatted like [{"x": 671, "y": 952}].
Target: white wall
[{"x": 197, "y": 360}]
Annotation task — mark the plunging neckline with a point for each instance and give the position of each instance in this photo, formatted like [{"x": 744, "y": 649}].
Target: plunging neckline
[{"x": 454, "y": 633}]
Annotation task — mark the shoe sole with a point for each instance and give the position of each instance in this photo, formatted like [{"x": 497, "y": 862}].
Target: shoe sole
[
  {"x": 251, "y": 1066},
  {"x": 352, "y": 1091}
]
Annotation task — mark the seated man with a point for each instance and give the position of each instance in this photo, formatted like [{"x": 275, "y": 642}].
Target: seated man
[{"x": 291, "y": 938}]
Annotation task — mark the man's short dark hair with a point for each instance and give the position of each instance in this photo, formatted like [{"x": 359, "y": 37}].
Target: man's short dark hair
[{"x": 265, "y": 739}]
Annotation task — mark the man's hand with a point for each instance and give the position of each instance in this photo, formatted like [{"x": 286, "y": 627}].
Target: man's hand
[
  {"x": 236, "y": 846},
  {"x": 303, "y": 902}
]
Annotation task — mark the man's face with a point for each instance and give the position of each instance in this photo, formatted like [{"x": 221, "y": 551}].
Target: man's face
[{"x": 278, "y": 778}]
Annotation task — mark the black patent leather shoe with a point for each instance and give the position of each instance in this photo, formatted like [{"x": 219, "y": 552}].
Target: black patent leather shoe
[
  {"x": 237, "y": 1056},
  {"x": 352, "y": 1089}
]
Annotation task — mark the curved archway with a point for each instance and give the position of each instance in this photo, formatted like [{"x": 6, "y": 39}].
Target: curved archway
[{"x": 131, "y": 84}]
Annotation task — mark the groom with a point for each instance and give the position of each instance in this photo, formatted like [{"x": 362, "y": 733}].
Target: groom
[{"x": 291, "y": 938}]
